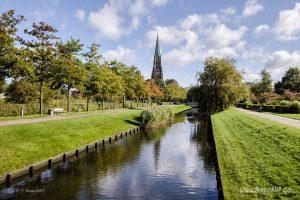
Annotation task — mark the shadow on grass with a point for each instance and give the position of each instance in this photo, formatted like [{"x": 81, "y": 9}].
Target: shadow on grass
[{"x": 137, "y": 121}]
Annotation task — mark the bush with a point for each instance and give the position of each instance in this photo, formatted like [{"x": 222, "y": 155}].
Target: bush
[
  {"x": 155, "y": 116},
  {"x": 11, "y": 109},
  {"x": 284, "y": 107},
  {"x": 295, "y": 107}
]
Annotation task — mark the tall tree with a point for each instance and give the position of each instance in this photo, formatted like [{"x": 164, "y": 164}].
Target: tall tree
[
  {"x": 266, "y": 82},
  {"x": 92, "y": 65},
  {"x": 220, "y": 85},
  {"x": 68, "y": 70},
  {"x": 9, "y": 53},
  {"x": 42, "y": 54},
  {"x": 290, "y": 81}
]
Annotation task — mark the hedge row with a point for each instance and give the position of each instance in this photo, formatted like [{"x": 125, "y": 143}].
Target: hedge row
[{"x": 292, "y": 108}]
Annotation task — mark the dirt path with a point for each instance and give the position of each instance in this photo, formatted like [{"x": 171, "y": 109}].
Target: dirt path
[
  {"x": 53, "y": 118},
  {"x": 282, "y": 120}
]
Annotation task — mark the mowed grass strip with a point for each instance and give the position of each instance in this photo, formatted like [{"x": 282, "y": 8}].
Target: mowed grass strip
[
  {"x": 22, "y": 145},
  {"x": 256, "y": 155}
]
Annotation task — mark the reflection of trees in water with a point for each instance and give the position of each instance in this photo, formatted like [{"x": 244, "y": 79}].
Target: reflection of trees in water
[
  {"x": 84, "y": 174},
  {"x": 203, "y": 137}
]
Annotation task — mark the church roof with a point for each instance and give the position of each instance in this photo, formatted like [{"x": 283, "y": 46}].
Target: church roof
[{"x": 157, "y": 49}]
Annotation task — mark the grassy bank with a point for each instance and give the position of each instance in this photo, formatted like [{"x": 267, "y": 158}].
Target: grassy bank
[
  {"x": 22, "y": 145},
  {"x": 256, "y": 155}
]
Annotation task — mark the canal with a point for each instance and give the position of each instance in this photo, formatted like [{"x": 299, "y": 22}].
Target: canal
[{"x": 173, "y": 162}]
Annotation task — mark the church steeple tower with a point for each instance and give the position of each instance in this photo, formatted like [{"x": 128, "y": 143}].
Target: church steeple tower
[{"x": 157, "y": 73}]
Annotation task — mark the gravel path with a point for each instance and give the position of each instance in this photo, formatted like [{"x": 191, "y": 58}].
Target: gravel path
[{"x": 282, "y": 120}]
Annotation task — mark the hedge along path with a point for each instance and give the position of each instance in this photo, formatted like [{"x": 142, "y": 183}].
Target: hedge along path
[{"x": 283, "y": 120}]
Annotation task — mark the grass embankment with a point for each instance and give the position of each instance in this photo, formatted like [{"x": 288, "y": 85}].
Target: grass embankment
[
  {"x": 26, "y": 144},
  {"x": 288, "y": 115},
  {"x": 256, "y": 155}
]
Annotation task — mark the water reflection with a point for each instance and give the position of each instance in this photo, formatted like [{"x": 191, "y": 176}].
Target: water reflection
[{"x": 173, "y": 162}]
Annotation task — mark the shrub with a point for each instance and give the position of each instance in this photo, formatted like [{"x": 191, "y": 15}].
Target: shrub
[
  {"x": 295, "y": 107},
  {"x": 155, "y": 116}
]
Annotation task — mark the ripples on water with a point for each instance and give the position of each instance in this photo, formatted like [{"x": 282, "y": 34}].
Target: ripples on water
[{"x": 172, "y": 162}]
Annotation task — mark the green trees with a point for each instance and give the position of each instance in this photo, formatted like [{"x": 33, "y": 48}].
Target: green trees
[
  {"x": 68, "y": 71},
  {"x": 290, "y": 81},
  {"x": 41, "y": 50},
  {"x": 174, "y": 92},
  {"x": 220, "y": 85},
  {"x": 42, "y": 68}
]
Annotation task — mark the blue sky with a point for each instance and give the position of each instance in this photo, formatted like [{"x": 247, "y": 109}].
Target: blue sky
[{"x": 257, "y": 33}]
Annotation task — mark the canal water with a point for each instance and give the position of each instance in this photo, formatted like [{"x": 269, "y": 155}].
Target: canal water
[{"x": 173, "y": 162}]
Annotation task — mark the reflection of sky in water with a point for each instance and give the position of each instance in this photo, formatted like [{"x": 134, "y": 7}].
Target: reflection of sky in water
[{"x": 160, "y": 165}]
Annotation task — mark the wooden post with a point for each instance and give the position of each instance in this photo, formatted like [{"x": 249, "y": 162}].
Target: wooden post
[
  {"x": 49, "y": 164},
  {"x": 31, "y": 171},
  {"x": 77, "y": 153},
  {"x": 87, "y": 149},
  {"x": 96, "y": 145},
  {"x": 116, "y": 137},
  {"x": 103, "y": 142},
  {"x": 109, "y": 139},
  {"x": 64, "y": 158},
  {"x": 8, "y": 180}
]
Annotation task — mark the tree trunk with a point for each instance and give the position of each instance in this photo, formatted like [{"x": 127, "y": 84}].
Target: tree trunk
[
  {"x": 41, "y": 98},
  {"x": 124, "y": 99},
  {"x": 68, "y": 102},
  {"x": 87, "y": 103},
  {"x": 102, "y": 103}
]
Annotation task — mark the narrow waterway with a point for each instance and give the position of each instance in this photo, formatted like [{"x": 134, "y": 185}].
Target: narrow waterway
[{"x": 174, "y": 162}]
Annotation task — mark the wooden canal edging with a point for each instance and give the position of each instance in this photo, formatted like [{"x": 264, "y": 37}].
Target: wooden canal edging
[
  {"x": 217, "y": 169},
  {"x": 63, "y": 158}
]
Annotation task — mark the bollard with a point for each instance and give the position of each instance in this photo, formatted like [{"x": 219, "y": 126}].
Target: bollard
[
  {"x": 121, "y": 135},
  {"x": 31, "y": 171},
  {"x": 130, "y": 132},
  {"x": 8, "y": 180},
  {"x": 109, "y": 139},
  {"x": 22, "y": 112},
  {"x": 103, "y": 142},
  {"x": 116, "y": 137},
  {"x": 77, "y": 153},
  {"x": 49, "y": 164},
  {"x": 96, "y": 145},
  {"x": 64, "y": 158},
  {"x": 87, "y": 149}
]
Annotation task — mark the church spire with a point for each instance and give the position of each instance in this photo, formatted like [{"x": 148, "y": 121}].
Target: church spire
[
  {"x": 157, "y": 49},
  {"x": 157, "y": 73}
]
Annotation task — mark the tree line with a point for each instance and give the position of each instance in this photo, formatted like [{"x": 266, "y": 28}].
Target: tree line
[
  {"x": 40, "y": 66},
  {"x": 221, "y": 85}
]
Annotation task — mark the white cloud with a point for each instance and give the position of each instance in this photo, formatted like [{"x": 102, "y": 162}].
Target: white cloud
[
  {"x": 261, "y": 29},
  {"x": 80, "y": 15},
  {"x": 287, "y": 26},
  {"x": 249, "y": 75},
  {"x": 221, "y": 36},
  {"x": 279, "y": 61},
  {"x": 159, "y": 2},
  {"x": 122, "y": 54},
  {"x": 170, "y": 35},
  {"x": 252, "y": 7},
  {"x": 229, "y": 10},
  {"x": 199, "y": 21},
  {"x": 107, "y": 21}
]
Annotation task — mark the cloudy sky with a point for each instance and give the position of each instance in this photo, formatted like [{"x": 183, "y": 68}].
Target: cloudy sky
[{"x": 256, "y": 33}]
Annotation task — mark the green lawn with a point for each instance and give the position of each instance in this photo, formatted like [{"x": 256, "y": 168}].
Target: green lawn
[
  {"x": 288, "y": 115},
  {"x": 26, "y": 144},
  {"x": 254, "y": 152}
]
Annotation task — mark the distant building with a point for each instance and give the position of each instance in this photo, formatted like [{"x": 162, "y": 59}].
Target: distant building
[{"x": 157, "y": 73}]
